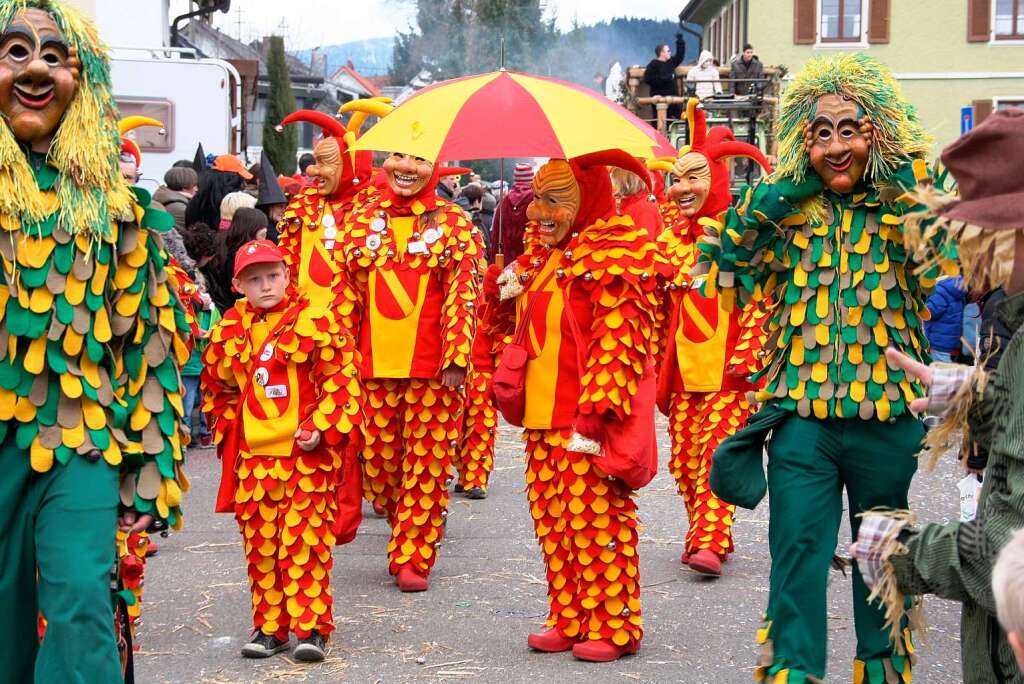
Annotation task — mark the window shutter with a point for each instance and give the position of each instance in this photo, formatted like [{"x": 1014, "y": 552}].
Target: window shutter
[
  {"x": 805, "y": 21},
  {"x": 878, "y": 22},
  {"x": 979, "y": 20},
  {"x": 982, "y": 108}
]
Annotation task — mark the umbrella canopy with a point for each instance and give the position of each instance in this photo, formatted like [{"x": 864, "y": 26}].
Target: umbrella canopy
[{"x": 509, "y": 114}]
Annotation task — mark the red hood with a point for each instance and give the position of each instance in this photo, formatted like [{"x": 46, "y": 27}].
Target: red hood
[
  {"x": 354, "y": 175},
  {"x": 597, "y": 197}
]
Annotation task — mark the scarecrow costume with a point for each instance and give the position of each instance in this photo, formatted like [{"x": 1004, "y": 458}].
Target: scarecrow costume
[
  {"x": 411, "y": 264},
  {"x": 710, "y": 347},
  {"x": 269, "y": 375},
  {"x": 823, "y": 239},
  {"x": 91, "y": 337},
  {"x": 582, "y": 299},
  {"x": 955, "y": 561}
]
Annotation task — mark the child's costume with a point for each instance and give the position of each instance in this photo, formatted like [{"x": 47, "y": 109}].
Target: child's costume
[
  {"x": 711, "y": 348},
  {"x": 91, "y": 339},
  {"x": 823, "y": 239},
  {"x": 955, "y": 561},
  {"x": 585, "y": 314},
  {"x": 268, "y": 375},
  {"x": 474, "y": 459}
]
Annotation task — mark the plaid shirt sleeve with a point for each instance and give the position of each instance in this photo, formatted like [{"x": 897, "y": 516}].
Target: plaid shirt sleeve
[
  {"x": 946, "y": 380},
  {"x": 867, "y": 550}
]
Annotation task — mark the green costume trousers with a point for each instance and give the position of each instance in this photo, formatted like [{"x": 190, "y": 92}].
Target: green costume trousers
[
  {"x": 809, "y": 463},
  {"x": 57, "y": 547}
]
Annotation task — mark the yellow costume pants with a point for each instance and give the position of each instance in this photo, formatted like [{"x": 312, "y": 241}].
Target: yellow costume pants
[
  {"x": 474, "y": 460},
  {"x": 411, "y": 432},
  {"x": 284, "y": 508},
  {"x": 699, "y": 422},
  {"x": 586, "y": 525}
]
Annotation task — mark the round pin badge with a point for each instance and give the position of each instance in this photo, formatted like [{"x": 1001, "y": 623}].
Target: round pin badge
[
  {"x": 373, "y": 242},
  {"x": 431, "y": 235},
  {"x": 378, "y": 224},
  {"x": 330, "y": 232},
  {"x": 329, "y": 220}
]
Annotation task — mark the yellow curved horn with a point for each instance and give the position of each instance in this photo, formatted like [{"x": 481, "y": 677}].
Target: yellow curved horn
[
  {"x": 130, "y": 123},
  {"x": 664, "y": 165},
  {"x": 362, "y": 109}
]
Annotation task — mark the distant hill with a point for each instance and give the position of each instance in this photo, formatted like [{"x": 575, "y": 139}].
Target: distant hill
[
  {"x": 371, "y": 57},
  {"x": 576, "y": 55}
]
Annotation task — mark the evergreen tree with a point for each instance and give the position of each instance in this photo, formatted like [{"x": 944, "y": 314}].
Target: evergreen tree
[{"x": 280, "y": 146}]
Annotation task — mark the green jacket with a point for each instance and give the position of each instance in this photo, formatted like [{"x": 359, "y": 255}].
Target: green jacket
[
  {"x": 206, "y": 320},
  {"x": 955, "y": 561},
  {"x": 843, "y": 288}
]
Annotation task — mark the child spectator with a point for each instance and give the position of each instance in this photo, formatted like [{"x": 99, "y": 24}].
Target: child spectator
[
  {"x": 231, "y": 203},
  {"x": 282, "y": 394},
  {"x": 1008, "y": 589}
]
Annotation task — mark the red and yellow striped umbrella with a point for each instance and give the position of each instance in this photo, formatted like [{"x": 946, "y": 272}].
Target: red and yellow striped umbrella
[{"x": 509, "y": 114}]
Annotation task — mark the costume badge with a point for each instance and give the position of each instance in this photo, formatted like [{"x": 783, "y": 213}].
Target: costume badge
[
  {"x": 378, "y": 224},
  {"x": 373, "y": 242},
  {"x": 329, "y": 221},
  {"x": 261, "y": 377},
  {"x": 418, "y": 247},
  {"x": 431, "y": 235},
  {"x": 268, "y": 353},
  {"x": 330, "y": 232},
  {"x": 277, "y": 391}
]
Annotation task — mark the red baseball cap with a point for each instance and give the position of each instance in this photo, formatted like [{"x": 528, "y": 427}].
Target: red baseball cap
[{"x": 257, "y": 252}]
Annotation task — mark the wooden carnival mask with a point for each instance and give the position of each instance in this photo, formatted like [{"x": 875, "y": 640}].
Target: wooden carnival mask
[
  {"x": 691, "y": 183},
  {"x": 838, "y": 142},
  {"x": 39, "y": 74},
  {"x": 407, "y": 175},
  {"x": 556, "y": 201},
  {"x": 327, "y": 168}
]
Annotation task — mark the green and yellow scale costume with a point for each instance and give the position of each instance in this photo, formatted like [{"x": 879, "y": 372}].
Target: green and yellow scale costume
[
  {"x": 91, "y": 339},
  {"x": 845, "y": 288}
]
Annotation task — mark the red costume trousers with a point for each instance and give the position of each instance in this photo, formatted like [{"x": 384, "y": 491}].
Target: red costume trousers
[
  {"x": 474, "y": 460},
  {"x": 699, "y": 422},
  {"x": 285, "y": 508},
  {"x": 411, "y": 431},
  {"x": 586, "y": 525}
]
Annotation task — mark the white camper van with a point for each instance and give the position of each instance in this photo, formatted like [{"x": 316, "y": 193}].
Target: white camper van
[{"x": 198, "y": 100}]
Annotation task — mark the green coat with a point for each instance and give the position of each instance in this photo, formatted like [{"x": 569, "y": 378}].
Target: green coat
[{"x": 955, "y": 561}]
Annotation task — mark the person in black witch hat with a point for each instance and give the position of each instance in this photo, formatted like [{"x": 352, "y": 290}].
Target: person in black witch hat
[
  {"x": 270, "y": 200},
  {"x": 199, "y": 162}
]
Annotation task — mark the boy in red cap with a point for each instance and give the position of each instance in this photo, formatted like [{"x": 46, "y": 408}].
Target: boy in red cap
[{"x": 282, "y": 395}]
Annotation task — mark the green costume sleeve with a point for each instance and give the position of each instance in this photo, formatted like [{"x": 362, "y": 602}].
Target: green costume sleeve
[{"x": 151, "y": 327}]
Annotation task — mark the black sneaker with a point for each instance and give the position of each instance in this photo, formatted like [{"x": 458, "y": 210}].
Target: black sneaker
[
  {"x": 476, "y": 493},
  {"x": 311, "y": 649},
  {"x": 264, "y": 646},
  {"x": 458, "y": 489}
]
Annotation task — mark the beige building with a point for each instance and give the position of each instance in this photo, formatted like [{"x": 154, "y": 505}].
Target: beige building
[{"x": 947, "y": 54}]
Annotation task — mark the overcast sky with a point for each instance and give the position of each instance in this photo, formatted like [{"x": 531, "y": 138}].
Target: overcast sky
[{"x": 323, "y": 22}]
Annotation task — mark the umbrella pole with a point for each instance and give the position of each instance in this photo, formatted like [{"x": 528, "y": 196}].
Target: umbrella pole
[{"x": 499, "y": 255}]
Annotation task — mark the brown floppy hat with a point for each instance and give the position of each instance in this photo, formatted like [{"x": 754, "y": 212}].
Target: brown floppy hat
[{"x": 988, "y": 164}]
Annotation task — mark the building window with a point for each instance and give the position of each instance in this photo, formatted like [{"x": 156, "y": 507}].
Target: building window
[
  {"x": 841, "y": 21},
  {"x": 1009, "y": 23}
]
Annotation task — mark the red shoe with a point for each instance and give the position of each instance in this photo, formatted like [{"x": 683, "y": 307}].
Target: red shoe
[
  {"x": 379, "y": 510},
  {"x": 602, "y": 650},
  {"x": 685, "y": 558},
  {"x": 409, "y": 580},
  {"x": 206, "y": 442},
  {"x": 706, "y": 562},
  {"x": 550, "y": 641},
  {"x": 152, "y": 549}
]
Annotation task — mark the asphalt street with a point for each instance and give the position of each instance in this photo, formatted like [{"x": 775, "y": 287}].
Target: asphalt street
[{"x": 487, "y": 593}]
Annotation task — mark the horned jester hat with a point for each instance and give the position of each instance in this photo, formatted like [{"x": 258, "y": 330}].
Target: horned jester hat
[
  {"x": 705, "y": 156},
  {"x": 336, "y": 148}
]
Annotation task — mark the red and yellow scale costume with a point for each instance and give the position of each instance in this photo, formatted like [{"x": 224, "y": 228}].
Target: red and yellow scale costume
[
  {"x": 474, "y": 459},
  {"x": 309, "y": 239},
  {"x": 709, "y": 346},
  {"x": 305, "y": 378},
  {"x": 412, "y": 268},
  {"x": 585, "y": 522},
  {"x": 711, "y": 350}
]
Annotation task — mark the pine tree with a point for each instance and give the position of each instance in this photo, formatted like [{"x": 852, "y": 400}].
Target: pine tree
[{"x": 280, "y": 146}]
